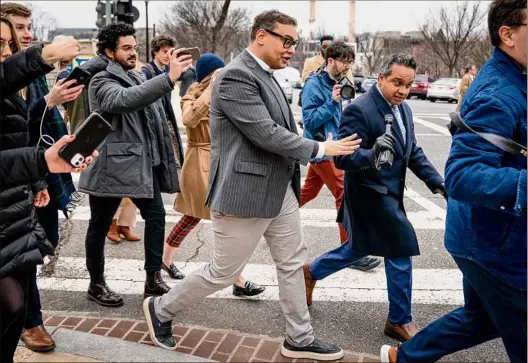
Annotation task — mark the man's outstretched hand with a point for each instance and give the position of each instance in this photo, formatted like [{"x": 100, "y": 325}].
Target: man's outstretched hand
[
  {"x": 344, "y": 146},
  {"x": 57, "y": 165}
]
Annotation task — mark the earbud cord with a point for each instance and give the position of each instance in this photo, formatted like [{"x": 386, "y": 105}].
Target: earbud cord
[{"x": 47, "y": 139}]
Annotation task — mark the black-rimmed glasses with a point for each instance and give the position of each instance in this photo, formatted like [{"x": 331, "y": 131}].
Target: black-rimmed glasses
[{"x": 287, "y": 42}]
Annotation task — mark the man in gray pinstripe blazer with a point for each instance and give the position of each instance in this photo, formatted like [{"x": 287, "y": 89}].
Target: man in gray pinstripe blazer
[{"x": 254, "y": 185}]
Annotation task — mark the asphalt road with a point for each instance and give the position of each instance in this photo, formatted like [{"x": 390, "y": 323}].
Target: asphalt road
[{"x": 349, "y": 309}]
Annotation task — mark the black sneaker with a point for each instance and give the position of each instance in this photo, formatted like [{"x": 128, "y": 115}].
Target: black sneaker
[
  {"x": 160, "y": 333},
  {"x": 316, "y": 351}
]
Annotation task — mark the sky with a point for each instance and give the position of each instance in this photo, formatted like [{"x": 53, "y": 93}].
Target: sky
[{"x": 331, "y": 15}]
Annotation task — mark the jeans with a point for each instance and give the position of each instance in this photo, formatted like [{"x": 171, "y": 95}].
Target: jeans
[
  {"x": 34, "y": 313},
  {"x": 491, "y": 310},
  {"x": 102, "y": 211},
  {"x": 48, "y": 218}
]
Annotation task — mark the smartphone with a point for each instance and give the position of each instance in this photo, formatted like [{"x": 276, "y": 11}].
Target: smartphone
[
  {"x": 194, "y": 52},
  {"x": 88, "y": 137},
  {"x": 79, "y": 75}
]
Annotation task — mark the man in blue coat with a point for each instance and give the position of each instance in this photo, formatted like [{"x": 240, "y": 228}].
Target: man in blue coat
[
  {"x": 486, "y": 213},
  {"x": 374, "y": 194},
  {"x": 321, "y": 109}
]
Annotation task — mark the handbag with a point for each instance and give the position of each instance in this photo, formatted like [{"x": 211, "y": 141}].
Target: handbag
[{"x": 503, "y": 143}]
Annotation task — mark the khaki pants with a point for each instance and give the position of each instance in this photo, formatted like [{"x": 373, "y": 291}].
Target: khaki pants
[
  {"x": 235, "y": 240},
  {"x": 126, "y": 214}
]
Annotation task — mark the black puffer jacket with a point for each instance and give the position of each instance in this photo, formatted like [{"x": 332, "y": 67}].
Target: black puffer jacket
[{"x": 23, "y": 242}]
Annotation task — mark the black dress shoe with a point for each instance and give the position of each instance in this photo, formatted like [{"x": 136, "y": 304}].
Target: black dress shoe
[
  {"x": 99, "y": 292},
  {"x": 173, "y": 272},
  {"x": 160, "y": 333},
  {"x": 155, "y": 286},
  {"x": 315, "y": 351},
  {"x": 249, "y": 289}
]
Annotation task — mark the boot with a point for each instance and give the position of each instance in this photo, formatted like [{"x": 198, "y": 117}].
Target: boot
[
  {"x": 309, "y": 283},
  {"x": 155, "y": 286},
  {"x": 113, "y": 234},
  {"x": 127, "y": 233},
  {"x": 38, "y": 339},
  {"x": 99, "y": 292}
]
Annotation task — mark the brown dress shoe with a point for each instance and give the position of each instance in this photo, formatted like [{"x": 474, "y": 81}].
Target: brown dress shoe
[
  {"x": 400, "y": 332},
  {"x": 309, "y": 283},
  {"x": 38, "y": 339},
  {"x": 127, "y": 233},
  {"x": 113, "y": 233}
]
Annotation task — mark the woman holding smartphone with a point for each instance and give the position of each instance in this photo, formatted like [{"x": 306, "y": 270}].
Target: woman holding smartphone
[{"x": 195, "y": 171}]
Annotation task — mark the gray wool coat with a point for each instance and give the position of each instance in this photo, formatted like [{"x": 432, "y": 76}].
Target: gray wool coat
[{"x": 124, "y": 166}]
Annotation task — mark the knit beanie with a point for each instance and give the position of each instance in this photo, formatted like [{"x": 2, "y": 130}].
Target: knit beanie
[{"x": 207, "y": 64}]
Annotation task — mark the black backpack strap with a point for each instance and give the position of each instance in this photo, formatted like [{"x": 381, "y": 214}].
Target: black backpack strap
[
  {"x": 150, "y": 69},
  {"x": 503, "y": 143}
]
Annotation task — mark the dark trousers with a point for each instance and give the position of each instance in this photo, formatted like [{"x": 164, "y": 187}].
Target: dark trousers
[
  {"x": 492, "y": 309},
  {"x": 398, "y": 272},
  {"x": 102, "y": 211},
  {"x": 13, "y": 305},
  {"x": 48, "y": 217}
]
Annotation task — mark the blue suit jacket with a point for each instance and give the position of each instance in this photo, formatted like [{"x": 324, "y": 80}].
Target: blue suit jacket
[
  {"x": 374, "y": 198},
  {"x": 486, "y": 213}
]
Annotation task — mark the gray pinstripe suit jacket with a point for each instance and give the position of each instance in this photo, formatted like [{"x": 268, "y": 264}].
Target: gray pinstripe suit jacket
[{"x": 255, "y": 150}]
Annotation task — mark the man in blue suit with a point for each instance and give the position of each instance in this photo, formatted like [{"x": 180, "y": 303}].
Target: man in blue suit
[
  {"x": 374, "y": 196},
  {"x": 486, "y": 213}
]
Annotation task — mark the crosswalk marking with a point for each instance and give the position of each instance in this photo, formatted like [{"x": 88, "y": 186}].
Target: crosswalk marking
[
  {"x": 441, "y": 129},
  {"x": 322, "y": 218},
  {"x": 126, "y": 276}
]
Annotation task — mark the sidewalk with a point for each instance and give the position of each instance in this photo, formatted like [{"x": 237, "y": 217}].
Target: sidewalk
[{"x": 128, "y": 340}]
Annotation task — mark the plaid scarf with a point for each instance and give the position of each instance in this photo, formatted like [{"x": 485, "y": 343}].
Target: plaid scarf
[{"x": 60, "y": 186}]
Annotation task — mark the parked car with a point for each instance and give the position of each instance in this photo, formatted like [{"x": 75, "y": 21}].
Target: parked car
[
  {"x": 420, "y": 86},
  {"x": 291, "y": 75},
  {"x": 285, "y": 85},
  {"x": 367, "y": 83},
  {"x": 445, "y": 89},
  {"x": 357, "y": 82}
]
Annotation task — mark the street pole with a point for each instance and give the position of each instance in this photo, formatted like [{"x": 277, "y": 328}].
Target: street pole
[
  {"x": 148, "y": 41},
  {"x": 108, "y": 11}
]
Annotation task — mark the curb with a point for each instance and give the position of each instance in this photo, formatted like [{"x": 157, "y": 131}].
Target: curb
[{"x": 221, "y": 345}]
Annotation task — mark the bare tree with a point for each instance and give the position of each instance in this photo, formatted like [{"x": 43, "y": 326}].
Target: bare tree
[
  {"x": 427, "y": 62},
  {"x": 319, "y": 33},
  {"x": 213, "y": 26},
  {"x": 480, "y": 50},
  {"x": 372, "y": 51},
  {"x": 450, "y": 31},
  {"x": 43, "y": 23}
]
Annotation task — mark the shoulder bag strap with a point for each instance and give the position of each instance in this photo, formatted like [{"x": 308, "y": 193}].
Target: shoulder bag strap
[{"x": 503, "y": 143}]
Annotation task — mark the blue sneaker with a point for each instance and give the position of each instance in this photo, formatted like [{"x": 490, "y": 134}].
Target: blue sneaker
[
  {"x": 366, "y": 263},
  {"x": 160, "y": 333}
]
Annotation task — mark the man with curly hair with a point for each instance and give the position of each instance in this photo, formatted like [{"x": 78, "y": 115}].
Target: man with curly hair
[{"x": 137, "y": 159}]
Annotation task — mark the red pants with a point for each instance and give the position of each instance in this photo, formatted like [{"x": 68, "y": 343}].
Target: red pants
[{"x": 324, "y": 173}]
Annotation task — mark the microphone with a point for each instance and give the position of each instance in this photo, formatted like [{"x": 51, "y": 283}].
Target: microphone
[{"x": 386, "y": 157}]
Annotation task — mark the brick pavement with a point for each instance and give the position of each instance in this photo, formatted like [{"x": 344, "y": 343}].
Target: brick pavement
[{"x": 219, "y": 345}]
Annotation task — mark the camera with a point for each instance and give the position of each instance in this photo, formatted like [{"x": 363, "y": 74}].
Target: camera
[
  {"x": 77, "y": 160},
  {"x": 348, "y": 90}
]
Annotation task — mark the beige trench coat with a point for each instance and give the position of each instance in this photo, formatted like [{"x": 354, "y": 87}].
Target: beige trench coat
[
  {"x": 195, "y": 171},
  {"x": 464, "y": 85}
]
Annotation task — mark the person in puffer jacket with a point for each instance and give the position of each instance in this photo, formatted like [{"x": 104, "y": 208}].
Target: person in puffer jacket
[{"x": 23, "y": 242}]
